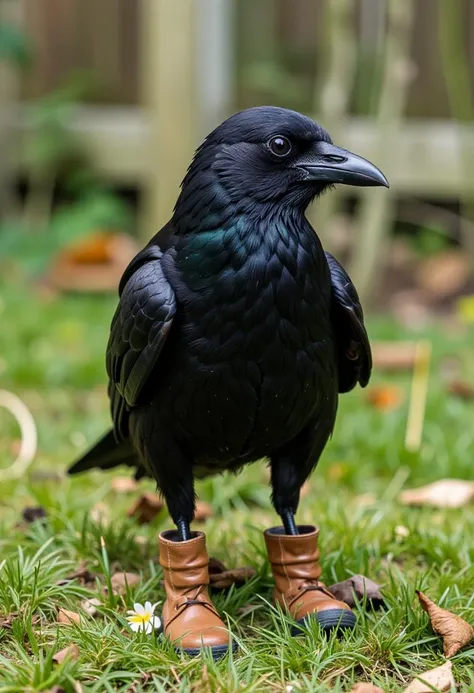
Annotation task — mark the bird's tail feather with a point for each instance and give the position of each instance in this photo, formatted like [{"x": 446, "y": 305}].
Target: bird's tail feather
[{"x": 106, "y": 454}]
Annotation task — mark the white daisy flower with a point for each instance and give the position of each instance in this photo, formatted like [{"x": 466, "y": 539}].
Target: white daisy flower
[{"x": 142, "y": 618}]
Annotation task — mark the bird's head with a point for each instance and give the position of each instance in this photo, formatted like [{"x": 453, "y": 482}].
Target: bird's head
[{"x": 271, "y": 155}]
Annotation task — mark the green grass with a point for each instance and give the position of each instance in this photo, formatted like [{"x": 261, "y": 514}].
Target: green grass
[{"x": 51, "y": 353}]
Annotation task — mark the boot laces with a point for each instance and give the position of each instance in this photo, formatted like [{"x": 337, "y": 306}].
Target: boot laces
[{"x": 194, "y": 596}]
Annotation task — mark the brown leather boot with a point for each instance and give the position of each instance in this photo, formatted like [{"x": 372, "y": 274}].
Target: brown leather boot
[
  {"x": 296, "y": 571},
  {"x": 190, "y": 620}
]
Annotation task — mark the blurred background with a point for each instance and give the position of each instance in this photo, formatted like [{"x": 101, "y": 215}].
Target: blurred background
[{"x": 102, "y": 104}]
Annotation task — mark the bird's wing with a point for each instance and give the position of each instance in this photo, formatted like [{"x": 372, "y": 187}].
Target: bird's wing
[
  {"x": 139, "y": 329},
  {"x": 353, "y": 347}
]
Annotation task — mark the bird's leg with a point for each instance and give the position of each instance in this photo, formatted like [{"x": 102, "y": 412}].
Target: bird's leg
[
  {"x": 184, "y": 530},
  {"x": 288, "y": 519},
  {"x": 175, "y": 479}
]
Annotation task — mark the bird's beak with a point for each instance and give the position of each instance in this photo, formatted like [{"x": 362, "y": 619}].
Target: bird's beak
[{"x": 331, "y": 164}]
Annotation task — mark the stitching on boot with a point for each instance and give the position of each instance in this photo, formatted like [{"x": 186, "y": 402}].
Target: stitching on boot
[
  {"x": 169, "y": 569},
  {"x": 283, "y": 563}
]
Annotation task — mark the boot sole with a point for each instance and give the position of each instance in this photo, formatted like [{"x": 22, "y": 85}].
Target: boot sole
[
  {"x": 329, "y": 620},
  {"x": 217, "y": 652}
]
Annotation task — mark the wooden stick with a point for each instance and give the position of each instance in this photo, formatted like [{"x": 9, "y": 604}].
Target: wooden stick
[{"x": 419, "y": 391}]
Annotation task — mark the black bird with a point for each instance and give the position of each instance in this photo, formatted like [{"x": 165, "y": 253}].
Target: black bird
[{"x": 235, "y": 331}]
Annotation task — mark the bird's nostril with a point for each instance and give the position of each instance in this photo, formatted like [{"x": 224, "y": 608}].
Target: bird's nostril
[{"x": 334, "y": 158}]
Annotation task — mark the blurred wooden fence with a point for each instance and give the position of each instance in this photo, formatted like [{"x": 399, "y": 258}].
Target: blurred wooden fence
[
  {"x": 159, "y": 54},
  {"x": 102, "y": 38}
]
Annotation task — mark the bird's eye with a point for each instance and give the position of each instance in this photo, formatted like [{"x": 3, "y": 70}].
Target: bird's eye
[{"x": 279, "y": 145}]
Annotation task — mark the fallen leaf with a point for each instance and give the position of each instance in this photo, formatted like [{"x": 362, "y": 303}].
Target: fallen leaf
[
  {"x": 68, "y": 617},
  {"x": 393, "y": 356},
  {"x": 6, "y": 621},
  {"x": 444, "y": 274},
  {"x": 445, "y": 493},
  {"x": 123, "y": 484},
  {"x": 357, "y": 588},
  {"x": 384, "y": 397},
  {"x": 439, "y": 679},
  {"x": 82, "y": 573},
  {"x": 71, "y": 651},
  {"x": 227, "y": 578},
  {"x": 454, "y": 630},
  {"x": 146, "y": 507},
  {"x": 34, "y": 514},
  {"x": 216, "y": 566},
  {"x": 55, "y": 689},
  {"x": 366, "y": 688},
  {"x": 411, "y": 308},
  {"x": 461, "y": 389},
  {"x": 121, "y": 580},
  {"x": 90, "y": 605},
  {"x": 203, "y": 511}
]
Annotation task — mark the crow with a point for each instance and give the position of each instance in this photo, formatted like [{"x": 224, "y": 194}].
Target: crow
[{"x": 235, "y": 331}]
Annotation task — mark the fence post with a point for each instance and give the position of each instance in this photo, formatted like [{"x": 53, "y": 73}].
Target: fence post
[{"x": 168, "y": 39}]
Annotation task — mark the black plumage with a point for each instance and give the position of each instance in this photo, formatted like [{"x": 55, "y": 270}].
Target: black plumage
[{"x": 235, "y": 331}]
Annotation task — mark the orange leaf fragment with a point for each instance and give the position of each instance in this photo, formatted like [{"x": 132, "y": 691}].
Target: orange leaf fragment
[
  {"x": 454, "y": 630},
  {"x": 385, "y": 397},
  {"x": 366, "y": 688}
]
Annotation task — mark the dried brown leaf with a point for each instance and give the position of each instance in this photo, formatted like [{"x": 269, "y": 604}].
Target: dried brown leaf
[
  {"x": 203, "y": 511},
  {"x": 81, "y": 573},
  {"x": 444, "y": 274},
  {"x": 146, "y": 507},
  {"x": 445, "y": 493},
  {"x": 6, "y": 621},
  {"x": 227, "y": 578},
  {"x": 123, "y": 484},
  {"x": 216, "y": 566},
  {"x": 366, "y": 688},
  {"x": 385, "y": 397},
  {"x": 393, "y": 356},
  {"x": 68, "y": 617},
  {"x": 454, "y": 630},
  {"x": 90, "y": 605},
  {"x": 440, "y": 679},
  {"x": 121, "y": 580},
  {"x": 55, "y": 689},
  {"x": 34, "y": 514},
  {"x": 71, "y": 651},
  {"x": 357, "y": 588},
  {"x": 462, "y": 389}
]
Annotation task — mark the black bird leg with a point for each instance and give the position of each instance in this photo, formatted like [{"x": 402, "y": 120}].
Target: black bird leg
[
  {"x": 288, "y": 520},
  {"x": 184, "y": 530},
  {"x": 175, "y": 479},
  {"x": 290, "y": 467}
]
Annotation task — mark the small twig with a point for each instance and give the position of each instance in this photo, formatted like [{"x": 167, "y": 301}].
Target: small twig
[
  {"x": 419, "y": 391},
  {"x": 29, "y": 436}
]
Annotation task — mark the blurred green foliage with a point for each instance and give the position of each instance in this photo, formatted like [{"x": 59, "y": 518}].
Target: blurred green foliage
[{"x": 15, "y": 46}]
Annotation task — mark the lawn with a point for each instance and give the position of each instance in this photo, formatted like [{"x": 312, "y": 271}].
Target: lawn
[{"x": 51, "y": 353}]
